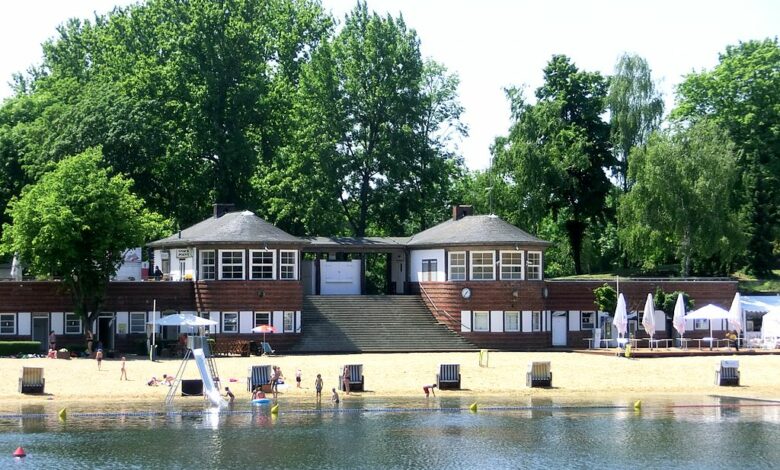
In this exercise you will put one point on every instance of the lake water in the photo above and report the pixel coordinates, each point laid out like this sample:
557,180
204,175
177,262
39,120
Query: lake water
707,432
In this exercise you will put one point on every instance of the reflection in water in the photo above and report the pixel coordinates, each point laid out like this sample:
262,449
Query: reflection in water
401,433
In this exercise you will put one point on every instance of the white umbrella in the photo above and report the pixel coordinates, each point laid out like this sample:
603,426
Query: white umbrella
184,319
708,312
621,316
770,323
648,317
16,269
735,313
678,321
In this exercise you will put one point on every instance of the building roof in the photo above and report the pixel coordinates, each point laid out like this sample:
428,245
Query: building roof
357,243
233,228
474,230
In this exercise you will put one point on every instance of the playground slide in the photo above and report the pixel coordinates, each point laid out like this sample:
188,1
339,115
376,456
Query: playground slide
209,390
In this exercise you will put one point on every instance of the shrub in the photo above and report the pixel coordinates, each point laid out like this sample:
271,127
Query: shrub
12,348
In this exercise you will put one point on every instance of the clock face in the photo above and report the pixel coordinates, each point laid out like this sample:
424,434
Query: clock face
465,293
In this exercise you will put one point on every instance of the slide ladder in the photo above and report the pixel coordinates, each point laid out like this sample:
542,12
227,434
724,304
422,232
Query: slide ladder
208,373
177,379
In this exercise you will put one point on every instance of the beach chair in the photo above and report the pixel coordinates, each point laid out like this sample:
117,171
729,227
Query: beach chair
727,373
32,380
538,375
258,376
355,378
266,350
448,376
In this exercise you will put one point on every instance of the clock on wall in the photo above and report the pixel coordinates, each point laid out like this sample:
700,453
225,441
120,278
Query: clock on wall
465,293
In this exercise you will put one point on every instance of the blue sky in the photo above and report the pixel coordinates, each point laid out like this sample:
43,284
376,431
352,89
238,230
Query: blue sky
492,44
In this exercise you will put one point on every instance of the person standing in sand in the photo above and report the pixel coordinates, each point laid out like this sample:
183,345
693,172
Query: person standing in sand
52,340
318,387
298,378
335,397
99,357
123,375
345,380
89,342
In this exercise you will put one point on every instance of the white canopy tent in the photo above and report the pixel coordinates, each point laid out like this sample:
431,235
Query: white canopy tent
709,312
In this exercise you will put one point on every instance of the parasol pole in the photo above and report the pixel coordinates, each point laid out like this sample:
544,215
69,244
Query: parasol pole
154,328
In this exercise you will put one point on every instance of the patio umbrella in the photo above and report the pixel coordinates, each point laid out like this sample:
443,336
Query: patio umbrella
678,321
16,269
648,317
184,319
735,314
264,329
621,316
708,312
770,323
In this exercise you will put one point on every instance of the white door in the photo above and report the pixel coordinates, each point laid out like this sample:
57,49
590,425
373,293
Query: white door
559,330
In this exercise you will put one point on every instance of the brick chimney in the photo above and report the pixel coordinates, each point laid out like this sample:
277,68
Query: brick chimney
222,209
459,211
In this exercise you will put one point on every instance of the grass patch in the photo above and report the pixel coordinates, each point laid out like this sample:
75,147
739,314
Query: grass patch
750,285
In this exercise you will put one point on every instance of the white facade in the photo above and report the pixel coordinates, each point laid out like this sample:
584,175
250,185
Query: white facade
417,270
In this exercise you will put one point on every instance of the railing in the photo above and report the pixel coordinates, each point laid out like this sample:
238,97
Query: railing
441,310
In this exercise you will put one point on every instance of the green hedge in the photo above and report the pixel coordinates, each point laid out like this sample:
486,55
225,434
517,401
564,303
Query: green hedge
12,348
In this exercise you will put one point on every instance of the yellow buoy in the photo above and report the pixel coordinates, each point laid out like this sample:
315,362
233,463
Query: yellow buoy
275,409
473,407
638,404
63,414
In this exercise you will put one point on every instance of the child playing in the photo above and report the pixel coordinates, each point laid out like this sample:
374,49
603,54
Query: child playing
298,378
123,375
335,397
429,389
99,357
318,387
229,395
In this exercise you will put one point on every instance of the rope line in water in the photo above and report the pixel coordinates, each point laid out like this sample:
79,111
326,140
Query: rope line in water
146,414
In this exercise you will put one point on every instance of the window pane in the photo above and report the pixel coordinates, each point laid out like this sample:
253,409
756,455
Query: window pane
262,318
482,265
287,264
232,264
512,321
289,321
230,323
481,321
457,266
72,324
534,265
536,321
8,324
208,269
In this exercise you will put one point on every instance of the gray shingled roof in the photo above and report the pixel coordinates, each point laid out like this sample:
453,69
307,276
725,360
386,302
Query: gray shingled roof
357,242
474,230
232,228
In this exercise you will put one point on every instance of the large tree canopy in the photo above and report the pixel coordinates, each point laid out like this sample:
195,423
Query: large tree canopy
557,152
371,146
76,223
742,94
681,204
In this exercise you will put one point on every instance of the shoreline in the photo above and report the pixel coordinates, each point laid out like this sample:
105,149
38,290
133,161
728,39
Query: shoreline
576,377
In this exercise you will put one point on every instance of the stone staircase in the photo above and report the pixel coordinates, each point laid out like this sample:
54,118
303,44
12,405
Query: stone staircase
365,323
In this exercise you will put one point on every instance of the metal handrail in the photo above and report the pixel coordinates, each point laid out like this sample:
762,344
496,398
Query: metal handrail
437,309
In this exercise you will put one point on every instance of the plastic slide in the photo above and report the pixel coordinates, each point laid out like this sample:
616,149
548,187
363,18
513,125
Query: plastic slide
209,391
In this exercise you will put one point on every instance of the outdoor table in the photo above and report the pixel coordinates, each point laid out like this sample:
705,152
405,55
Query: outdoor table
590,342
715,341
684,342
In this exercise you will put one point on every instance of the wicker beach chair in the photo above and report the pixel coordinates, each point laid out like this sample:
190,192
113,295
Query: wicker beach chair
31,380
538,375
448,376
258,376
355,378
727,373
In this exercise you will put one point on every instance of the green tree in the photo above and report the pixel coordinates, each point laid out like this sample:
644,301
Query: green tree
75,223
681,205
558,150
742,94
371,149
606,298
635,109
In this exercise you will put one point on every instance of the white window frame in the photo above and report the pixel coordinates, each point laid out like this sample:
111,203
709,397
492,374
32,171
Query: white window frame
513,276
74,317
492,265
130,322
426,273
701,324
451,274
7,317
223,265
225,322
257,316
272,265
483,315
201,265
288,321
294,265
537,266
587,325
536,320
515,314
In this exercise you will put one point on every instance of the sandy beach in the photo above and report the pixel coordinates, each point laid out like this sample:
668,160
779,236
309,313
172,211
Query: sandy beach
575,376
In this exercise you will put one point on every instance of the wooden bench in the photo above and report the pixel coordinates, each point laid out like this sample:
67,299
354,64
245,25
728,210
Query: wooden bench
231,347
448,376
538,375
355,378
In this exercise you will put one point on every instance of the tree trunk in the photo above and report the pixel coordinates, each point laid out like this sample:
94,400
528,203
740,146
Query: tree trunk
576,230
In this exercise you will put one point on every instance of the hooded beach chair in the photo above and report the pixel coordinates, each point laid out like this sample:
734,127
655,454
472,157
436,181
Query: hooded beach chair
32,380
448,376
727,373
538,375
355,378
258,376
